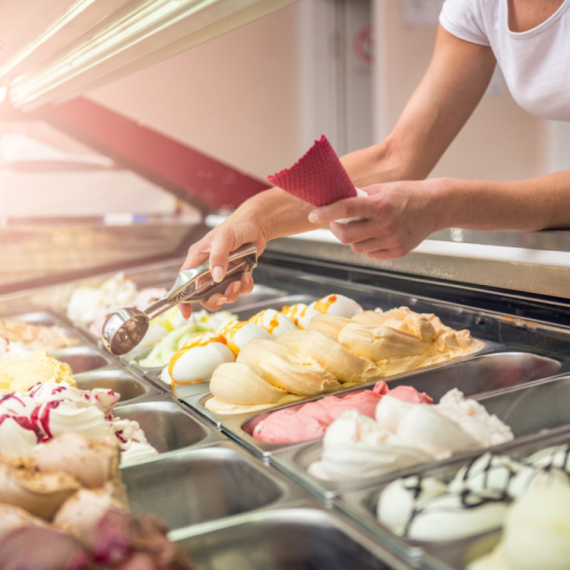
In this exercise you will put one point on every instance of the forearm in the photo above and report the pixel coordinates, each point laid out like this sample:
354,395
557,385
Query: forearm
277,212
525,205
447,95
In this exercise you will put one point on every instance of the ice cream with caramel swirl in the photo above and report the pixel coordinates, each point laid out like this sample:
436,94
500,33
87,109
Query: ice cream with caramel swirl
330,348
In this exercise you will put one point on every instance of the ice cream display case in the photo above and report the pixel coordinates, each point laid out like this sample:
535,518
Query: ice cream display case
218,485
348,413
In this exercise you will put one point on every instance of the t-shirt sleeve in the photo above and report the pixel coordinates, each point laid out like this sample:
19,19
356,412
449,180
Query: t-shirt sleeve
463,19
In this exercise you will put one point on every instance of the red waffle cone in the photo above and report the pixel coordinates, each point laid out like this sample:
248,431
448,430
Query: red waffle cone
318,177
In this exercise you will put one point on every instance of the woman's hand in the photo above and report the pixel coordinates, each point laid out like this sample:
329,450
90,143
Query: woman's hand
397,216
267,215
216,246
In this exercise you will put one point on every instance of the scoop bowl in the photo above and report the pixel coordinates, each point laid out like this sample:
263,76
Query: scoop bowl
124,330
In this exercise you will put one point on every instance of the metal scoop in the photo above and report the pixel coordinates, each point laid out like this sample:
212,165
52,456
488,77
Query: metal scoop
124,329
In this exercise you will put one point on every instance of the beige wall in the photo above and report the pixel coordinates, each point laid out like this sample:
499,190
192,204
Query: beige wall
237,98
234,97
500,140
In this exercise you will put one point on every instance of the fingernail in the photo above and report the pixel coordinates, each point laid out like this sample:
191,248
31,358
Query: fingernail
218,273
221,301
236,287
313,217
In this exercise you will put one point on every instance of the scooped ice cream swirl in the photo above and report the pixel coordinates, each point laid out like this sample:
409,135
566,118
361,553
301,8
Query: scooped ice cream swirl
346,342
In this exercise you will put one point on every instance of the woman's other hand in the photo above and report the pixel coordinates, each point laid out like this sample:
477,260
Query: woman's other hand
397,216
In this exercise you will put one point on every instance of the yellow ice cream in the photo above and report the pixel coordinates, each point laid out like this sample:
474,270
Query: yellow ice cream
19,375
400,340
331,351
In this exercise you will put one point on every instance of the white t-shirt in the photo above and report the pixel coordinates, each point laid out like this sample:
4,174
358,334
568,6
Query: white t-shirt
535,63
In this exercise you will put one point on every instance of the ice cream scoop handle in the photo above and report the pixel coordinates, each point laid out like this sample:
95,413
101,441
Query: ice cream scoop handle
197,284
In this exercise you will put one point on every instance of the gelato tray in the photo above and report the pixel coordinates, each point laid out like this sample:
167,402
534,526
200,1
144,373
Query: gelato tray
168,425
130,388
529,411
449,516
234,499
288,539
195,486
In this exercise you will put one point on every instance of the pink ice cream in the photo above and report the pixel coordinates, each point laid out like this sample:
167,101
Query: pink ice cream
302,423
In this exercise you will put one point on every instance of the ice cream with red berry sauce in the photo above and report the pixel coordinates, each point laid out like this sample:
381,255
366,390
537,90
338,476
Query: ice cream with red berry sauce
31,418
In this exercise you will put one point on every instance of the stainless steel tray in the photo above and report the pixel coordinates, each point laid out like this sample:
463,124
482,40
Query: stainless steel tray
194,486
130,388
531,411
474,376
361,507
83,359
302,537
168,425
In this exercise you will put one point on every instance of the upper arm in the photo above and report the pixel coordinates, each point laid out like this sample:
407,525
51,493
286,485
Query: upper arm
449,92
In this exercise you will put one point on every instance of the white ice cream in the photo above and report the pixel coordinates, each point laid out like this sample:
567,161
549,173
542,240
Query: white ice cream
337,305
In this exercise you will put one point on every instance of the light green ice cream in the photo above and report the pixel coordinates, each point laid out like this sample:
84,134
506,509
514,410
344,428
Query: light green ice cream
166,348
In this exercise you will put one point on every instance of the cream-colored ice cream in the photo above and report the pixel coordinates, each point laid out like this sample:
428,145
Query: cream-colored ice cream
267,373
41,494
344,364
328,324
285,368
331,349
13,518
82,511
400,340
36,337
244,385
381,342
536,534
92,463
20,375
